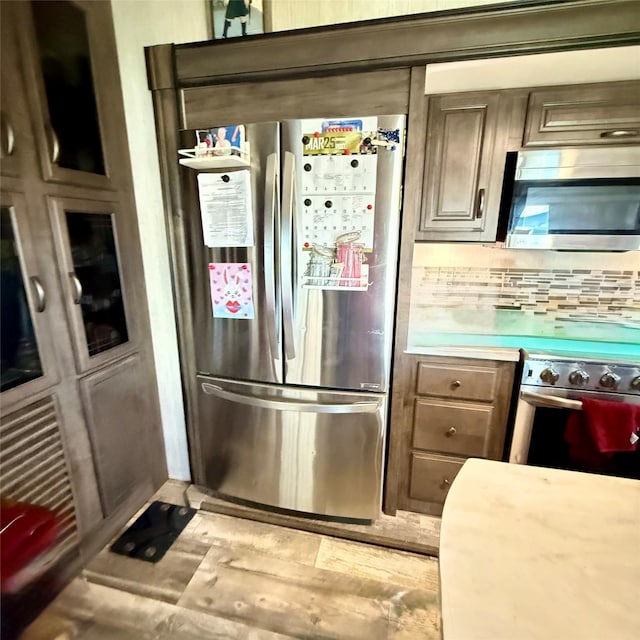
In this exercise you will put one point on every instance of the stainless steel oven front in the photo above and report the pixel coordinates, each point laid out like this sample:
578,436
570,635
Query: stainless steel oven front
553,387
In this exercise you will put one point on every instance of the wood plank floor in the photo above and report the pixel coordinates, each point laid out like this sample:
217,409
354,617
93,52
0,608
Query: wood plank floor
233,578
407,530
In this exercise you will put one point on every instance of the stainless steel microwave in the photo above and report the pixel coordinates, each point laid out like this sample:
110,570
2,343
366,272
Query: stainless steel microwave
576,199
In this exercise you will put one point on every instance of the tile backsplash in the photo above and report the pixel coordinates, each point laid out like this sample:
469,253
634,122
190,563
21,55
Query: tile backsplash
564,293
478,290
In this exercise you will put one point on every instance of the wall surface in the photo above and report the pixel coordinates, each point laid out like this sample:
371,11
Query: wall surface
299,14
563,67
140,23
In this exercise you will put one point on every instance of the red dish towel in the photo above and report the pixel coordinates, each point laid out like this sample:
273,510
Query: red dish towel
600,429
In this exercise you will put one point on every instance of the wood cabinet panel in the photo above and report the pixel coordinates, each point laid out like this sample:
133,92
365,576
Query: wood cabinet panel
451,381
459,148
465,154
116,406
440,428
598,114
379,92
431,477
451,427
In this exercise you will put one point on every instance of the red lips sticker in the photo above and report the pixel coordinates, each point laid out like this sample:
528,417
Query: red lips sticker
233,306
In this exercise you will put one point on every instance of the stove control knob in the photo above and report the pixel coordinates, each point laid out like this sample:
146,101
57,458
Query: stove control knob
578,377
610,380
549,375
634,385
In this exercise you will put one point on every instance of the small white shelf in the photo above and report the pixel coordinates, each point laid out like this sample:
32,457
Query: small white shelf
204,158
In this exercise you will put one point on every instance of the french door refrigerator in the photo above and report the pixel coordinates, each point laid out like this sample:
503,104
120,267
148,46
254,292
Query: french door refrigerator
293,313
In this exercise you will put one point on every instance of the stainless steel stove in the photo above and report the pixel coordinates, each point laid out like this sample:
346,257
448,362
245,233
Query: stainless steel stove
581,375
553,386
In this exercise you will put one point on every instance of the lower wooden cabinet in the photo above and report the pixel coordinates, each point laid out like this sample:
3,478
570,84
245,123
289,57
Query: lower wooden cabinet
452,427
449,409
431,477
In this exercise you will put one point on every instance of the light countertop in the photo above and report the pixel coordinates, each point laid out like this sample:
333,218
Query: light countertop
462,351
538,554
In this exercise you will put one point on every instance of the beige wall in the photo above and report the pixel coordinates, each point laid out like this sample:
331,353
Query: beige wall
564,67
298,14
139,23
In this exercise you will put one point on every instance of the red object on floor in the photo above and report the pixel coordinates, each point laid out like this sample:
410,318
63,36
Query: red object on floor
600,429
27,532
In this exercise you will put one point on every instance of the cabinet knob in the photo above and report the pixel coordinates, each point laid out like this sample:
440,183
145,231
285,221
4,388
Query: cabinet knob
451,431
445,483
456,383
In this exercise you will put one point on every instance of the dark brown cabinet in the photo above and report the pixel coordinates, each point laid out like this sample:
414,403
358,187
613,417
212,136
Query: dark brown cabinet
595,114
451,409
467,138
80,425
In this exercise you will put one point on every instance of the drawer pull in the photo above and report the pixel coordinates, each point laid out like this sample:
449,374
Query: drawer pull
451,431
620,133
456,383
445,483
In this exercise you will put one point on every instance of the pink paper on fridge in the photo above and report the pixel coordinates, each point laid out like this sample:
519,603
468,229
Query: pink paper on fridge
231,290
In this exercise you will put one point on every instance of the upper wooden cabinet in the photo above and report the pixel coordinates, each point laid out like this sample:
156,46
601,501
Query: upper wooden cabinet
468,136
71,84
585,114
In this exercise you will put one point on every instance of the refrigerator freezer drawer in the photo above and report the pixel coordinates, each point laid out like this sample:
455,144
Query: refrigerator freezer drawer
318,452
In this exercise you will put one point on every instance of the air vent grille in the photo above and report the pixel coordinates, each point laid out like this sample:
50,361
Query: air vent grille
33,467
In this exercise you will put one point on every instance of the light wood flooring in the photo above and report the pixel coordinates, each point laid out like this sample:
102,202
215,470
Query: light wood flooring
234,578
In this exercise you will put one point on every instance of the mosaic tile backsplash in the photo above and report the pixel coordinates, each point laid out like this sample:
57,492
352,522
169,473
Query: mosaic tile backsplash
601,305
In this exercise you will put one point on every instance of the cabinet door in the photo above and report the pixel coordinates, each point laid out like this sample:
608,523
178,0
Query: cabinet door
117,406
28,362
592,114
458,155
15,128
68,80
93,266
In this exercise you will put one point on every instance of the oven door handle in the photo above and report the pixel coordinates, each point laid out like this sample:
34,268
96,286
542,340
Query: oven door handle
554,402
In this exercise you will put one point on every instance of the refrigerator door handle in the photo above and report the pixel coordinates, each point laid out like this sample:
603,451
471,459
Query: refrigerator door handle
287,252
289,405
270,204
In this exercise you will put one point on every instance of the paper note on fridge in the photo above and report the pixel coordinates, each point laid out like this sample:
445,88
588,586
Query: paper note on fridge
231,290
225,208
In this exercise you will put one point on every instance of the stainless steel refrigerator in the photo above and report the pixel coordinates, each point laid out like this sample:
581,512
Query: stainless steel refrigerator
293,380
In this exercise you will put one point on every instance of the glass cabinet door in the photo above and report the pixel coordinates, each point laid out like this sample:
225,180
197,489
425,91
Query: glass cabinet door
65,62
25,349
64,90
88,249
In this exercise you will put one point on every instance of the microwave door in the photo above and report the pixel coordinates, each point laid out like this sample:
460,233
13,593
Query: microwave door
571,214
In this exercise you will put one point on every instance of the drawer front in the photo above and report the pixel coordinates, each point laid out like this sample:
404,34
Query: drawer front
468,383
596,114
452,427
431,477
